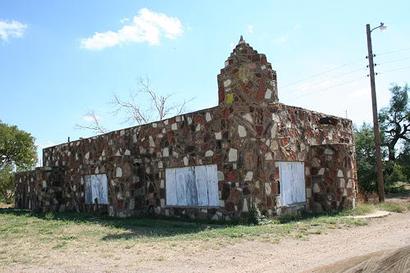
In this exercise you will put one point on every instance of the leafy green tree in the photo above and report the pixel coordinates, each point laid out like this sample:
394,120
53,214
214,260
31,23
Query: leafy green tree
365,158
395,120
17,152
404,159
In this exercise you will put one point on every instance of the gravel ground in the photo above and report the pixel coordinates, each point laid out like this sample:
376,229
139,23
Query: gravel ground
289,255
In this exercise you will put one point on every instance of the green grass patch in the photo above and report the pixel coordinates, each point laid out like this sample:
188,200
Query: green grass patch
394,207
360,209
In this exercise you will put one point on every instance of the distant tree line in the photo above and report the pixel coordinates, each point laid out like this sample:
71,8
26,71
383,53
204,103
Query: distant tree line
395,134
17,153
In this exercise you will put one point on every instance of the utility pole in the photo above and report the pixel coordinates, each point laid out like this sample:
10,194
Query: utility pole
376,130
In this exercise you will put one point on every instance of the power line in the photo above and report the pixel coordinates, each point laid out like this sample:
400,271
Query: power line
393,51
327,88
396,69
394,61
319,74
318,82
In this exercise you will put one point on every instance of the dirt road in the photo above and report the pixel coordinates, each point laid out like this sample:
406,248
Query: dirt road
294,255
289,255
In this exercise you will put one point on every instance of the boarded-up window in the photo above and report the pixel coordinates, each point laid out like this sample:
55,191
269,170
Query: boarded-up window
292,183
96,189
192,186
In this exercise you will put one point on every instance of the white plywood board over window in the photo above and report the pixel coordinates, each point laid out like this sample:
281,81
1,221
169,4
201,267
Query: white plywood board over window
192,186
292,183
96,189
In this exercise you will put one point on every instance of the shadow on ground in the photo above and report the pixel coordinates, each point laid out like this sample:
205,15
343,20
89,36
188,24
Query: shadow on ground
128,227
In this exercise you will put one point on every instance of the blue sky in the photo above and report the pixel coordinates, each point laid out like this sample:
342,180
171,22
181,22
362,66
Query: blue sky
61,59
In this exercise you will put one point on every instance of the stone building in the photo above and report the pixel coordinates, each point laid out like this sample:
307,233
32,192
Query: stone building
250,151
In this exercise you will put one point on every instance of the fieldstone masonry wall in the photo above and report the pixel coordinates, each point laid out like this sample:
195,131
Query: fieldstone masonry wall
244,136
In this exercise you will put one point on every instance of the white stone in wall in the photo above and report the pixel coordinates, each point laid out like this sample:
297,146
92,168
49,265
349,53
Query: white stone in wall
97,170
189,120
275,118
178,118
208,116
245,205
118,172
44,184
134,138
186,161
349,183
232,155
241,131
160,165
345,193
226,63
340,173
166,122
316,188
162,202
274,146
142,150
341,183
221,176
221,203
198,128
127,152
274,130
175,154
165,152
234,166
87,156
174,126
154,125
328,151
268,189
218,135
308,192
249,176
257,184
268,156
321,171
131,205
162,185
151,141
209,153
122,132
148,170
227,83
263,67
307,171
268,94
248,117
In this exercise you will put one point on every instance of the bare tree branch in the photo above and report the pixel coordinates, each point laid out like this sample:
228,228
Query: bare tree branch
93,124
142,106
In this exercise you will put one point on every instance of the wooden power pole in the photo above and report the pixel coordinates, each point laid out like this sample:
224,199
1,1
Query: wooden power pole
376,130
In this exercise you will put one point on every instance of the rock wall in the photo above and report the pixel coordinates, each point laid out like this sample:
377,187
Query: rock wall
334,179
244,142
41,190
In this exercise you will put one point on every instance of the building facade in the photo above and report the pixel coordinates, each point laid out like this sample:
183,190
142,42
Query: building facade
250,151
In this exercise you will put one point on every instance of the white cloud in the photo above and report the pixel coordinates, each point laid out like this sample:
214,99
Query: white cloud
249,29
146,27
11,29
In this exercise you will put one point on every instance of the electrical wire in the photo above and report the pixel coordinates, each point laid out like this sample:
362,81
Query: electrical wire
319,74
393,51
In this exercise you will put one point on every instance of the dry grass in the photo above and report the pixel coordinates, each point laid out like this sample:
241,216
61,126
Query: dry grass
27,238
